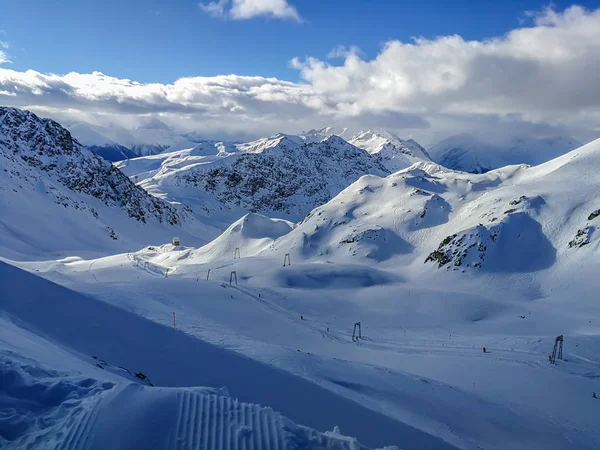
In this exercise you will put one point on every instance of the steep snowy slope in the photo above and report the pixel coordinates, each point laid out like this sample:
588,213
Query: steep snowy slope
281,176
55,194
470,154
394,153
543,220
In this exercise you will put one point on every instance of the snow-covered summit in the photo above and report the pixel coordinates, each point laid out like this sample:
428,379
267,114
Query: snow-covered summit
317,135
394,153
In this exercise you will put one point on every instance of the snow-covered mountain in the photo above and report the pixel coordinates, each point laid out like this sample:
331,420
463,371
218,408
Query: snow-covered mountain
394,153
283,176
154,137
57,194
471,154
518,219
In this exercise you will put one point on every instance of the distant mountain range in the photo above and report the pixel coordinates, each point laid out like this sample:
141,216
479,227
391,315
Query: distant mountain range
283,176
462,152
117,143
471,154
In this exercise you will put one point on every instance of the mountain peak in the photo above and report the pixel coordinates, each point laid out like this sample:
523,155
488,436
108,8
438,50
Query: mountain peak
394,153
317,135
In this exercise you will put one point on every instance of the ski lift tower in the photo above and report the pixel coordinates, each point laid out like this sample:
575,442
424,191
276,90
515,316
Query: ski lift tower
557,351
356,337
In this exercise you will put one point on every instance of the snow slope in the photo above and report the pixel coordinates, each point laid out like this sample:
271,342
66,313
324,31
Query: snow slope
419,362
471,154
252,232
85,402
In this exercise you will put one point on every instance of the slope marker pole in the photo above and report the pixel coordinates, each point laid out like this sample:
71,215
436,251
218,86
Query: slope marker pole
356,337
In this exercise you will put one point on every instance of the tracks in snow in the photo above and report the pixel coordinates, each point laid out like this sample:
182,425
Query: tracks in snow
222,423
147,266
82,422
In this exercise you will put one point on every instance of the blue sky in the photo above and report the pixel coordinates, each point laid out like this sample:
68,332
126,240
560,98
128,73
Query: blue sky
160,40
250,68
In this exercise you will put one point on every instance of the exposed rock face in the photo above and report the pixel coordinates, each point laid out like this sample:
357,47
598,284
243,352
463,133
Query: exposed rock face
466,249
582,237
35,147
285,176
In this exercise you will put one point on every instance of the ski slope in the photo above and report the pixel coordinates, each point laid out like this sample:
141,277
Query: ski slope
74,326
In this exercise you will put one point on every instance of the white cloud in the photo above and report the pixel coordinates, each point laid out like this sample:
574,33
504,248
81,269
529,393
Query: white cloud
248,9
215,9
539,71
280,9
341,51
3,46
541,79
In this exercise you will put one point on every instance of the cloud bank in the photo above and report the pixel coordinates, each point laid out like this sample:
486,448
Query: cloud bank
541,78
